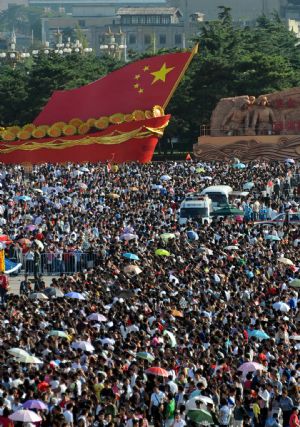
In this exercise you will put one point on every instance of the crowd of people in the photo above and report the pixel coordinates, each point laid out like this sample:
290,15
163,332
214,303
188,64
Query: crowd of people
154,324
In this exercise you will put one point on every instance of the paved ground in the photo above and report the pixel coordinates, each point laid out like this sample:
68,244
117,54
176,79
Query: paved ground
14,282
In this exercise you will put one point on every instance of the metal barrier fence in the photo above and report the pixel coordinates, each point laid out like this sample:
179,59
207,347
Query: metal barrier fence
51,264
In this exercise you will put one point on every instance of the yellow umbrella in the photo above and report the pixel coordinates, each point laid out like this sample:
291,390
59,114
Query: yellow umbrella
167,236
134,189
114,195
177,313
285,261
162,252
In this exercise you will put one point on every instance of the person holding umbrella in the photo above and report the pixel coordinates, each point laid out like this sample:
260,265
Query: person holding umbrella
155,409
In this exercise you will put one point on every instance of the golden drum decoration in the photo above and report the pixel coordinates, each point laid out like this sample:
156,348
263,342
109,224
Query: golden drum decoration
39,132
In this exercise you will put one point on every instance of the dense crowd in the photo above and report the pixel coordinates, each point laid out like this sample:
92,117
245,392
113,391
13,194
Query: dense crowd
205,333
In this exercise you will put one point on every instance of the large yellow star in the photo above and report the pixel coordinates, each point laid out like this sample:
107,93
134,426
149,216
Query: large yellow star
161,74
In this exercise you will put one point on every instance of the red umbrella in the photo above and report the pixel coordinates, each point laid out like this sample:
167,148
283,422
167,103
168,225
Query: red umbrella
5,239
159,372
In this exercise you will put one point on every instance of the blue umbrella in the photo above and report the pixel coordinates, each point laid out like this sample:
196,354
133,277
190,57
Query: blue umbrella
271,237
23,198
248,185
239,166
129,255
11,266
261,335
192,235
75,295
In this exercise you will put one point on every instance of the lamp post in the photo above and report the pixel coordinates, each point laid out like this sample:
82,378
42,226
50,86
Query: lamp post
114,45
12,56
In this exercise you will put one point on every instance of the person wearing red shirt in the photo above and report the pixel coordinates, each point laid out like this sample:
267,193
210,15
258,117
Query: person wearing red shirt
294,419
4,286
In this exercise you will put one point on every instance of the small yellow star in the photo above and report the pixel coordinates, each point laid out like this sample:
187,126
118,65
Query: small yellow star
136,86
161,74
146,68
137,76
141,90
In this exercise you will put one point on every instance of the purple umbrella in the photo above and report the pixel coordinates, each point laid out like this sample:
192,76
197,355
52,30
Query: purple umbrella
35,404
30,227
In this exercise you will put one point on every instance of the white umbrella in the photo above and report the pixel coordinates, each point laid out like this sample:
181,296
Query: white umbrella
84,346
295,337
25,416
17,352
165,178
232,248
38,295
29,359
128,236
171,337
97,317
286,261
281,306
192,403
39,244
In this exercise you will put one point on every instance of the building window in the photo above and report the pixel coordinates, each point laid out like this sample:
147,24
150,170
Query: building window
178,39
132,39
126,20
142,20
81,23
165,20
135,19
147,39
162,39
61,10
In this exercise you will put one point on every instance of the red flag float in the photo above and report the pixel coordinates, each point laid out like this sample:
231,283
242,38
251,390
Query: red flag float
117,118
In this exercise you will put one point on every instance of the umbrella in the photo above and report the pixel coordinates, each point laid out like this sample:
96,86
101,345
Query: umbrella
38,295
295,283
29,359
281,306
292,161
167,236
35,404
84,169
129,255
75,295
239,166
157,371
39,244
145,355
97,317
38,190
83,345
53,292
251,367
261,335
162,252
177,313
11,267
232,248
30,227
23,198
286,261
114,196
200,416
192,403
133,269
295,337
128,236
200,170
273,238
61,334
228,211
25,416
248,185
192,235
165,178
17,352
24,241
171,337
4,238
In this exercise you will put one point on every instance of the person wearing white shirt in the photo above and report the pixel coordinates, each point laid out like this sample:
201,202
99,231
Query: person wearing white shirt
68,415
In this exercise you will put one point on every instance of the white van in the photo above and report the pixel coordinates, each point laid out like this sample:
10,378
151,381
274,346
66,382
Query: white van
195,207
219,195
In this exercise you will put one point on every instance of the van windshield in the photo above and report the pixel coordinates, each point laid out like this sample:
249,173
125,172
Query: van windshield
193,212
218,198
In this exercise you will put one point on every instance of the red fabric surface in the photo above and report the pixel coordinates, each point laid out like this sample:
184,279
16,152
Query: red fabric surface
130,88
140,150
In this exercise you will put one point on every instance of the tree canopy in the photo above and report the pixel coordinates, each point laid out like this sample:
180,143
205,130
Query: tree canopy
232,60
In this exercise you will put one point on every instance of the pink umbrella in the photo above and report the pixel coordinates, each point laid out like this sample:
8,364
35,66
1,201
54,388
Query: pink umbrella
25,416
30,227
251,367
239,218
157,371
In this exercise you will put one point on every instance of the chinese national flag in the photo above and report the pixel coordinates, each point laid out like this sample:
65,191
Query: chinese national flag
137,86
